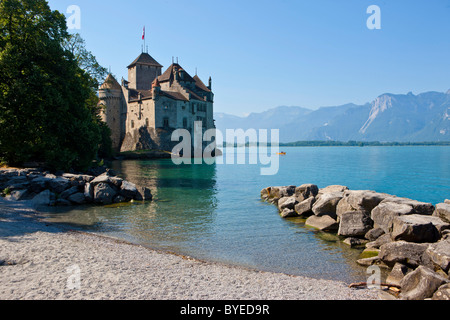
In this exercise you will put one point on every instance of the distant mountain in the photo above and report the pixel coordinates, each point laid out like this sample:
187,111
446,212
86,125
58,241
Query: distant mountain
390,117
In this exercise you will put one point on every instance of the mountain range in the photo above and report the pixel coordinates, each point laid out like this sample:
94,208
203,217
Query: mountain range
390,117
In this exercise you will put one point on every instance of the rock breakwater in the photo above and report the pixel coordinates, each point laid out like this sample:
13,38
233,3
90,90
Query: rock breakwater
411,239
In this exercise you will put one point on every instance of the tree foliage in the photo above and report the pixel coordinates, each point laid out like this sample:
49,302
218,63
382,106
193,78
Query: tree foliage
48,103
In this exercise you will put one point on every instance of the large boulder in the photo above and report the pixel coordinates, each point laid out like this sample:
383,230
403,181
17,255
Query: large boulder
77,198
286,203
381,240
419,207
66,194
306,191
45,198
143,194
421,284
276,193
128,189
323,223
443,211
304,208
407,253
359,200
58,184
439,255
105,178
78,179
417,228
331,189
383,215
326,204
89,192
354,224
104,193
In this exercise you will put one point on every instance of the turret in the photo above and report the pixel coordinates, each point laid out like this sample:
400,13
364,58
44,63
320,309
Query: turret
110,95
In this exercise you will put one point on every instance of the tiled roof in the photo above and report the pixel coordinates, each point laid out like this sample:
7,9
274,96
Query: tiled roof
200,84
146,59
110,83
168,74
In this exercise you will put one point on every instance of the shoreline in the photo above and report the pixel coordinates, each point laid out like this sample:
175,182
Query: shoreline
39,260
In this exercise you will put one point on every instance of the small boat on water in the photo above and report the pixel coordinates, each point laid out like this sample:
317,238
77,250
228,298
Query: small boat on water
281,153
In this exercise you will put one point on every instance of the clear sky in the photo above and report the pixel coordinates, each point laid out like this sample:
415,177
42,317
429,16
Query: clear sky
263,54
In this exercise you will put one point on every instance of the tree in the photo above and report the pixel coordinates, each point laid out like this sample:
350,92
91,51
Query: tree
48,103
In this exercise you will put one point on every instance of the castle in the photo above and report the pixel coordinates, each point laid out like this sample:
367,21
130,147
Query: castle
143,112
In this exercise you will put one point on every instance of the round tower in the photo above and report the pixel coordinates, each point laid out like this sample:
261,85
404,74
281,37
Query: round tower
110,95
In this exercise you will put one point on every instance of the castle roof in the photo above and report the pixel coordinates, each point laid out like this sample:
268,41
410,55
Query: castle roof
110,83
199,83
145,59
168,74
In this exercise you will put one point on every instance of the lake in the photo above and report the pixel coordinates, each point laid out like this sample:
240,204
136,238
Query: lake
214,212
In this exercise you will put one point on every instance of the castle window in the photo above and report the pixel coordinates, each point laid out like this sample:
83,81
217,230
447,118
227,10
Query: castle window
147,123
132,123
185,123
166,107
166,122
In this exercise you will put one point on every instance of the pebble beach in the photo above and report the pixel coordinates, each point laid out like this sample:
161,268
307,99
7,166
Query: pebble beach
43,261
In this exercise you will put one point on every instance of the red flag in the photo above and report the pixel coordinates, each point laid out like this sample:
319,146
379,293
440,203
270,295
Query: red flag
143,34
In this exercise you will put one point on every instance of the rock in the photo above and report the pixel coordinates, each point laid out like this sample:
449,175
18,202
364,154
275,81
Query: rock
366,262
119,198
354,224
78,179
383,239
39,184
332,189
383,215
18,195
288,213
443,293
286,203
323,223
276,193
104,193
58,184
439,254
265,194
77,198
304,208
105,178
306,191
44,198
128,189
374,234
416,228
69,192
63,202
326,204
407,253
421,284
359,200
354,242
89,192
443,211
397,274
418,207
447,201
143,194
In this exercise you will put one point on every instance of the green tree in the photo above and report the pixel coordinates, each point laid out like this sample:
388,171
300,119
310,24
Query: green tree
48,103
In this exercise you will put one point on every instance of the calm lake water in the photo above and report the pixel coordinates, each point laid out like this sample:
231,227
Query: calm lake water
214,212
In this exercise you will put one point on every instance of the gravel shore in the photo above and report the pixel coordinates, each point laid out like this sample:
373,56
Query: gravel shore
41,261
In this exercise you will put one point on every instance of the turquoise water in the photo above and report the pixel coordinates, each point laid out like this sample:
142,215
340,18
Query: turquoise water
214,212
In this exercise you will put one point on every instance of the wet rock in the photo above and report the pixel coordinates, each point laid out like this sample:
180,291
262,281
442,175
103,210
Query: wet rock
128,190
354,242
288,213
323,223
143,194
104,193
77,198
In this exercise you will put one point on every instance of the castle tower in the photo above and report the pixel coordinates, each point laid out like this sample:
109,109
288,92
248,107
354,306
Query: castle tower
142,72
110,95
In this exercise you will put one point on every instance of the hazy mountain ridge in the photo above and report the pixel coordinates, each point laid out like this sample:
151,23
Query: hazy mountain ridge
390,117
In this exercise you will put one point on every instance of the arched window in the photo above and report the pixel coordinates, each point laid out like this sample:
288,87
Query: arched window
147,123
132,123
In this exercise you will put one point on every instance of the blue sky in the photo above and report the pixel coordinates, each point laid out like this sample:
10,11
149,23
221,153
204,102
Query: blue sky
263,54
